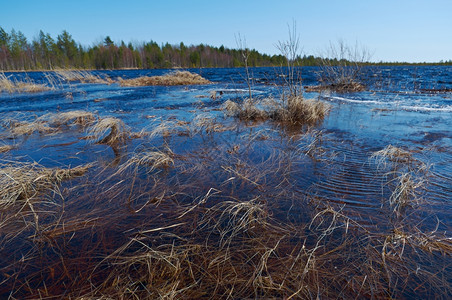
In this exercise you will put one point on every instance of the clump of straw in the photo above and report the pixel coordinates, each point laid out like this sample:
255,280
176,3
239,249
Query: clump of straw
15,86
109,131
81,76
175,78
75,117
23,182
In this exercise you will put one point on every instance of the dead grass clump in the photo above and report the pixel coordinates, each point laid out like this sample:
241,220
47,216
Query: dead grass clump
24,182
81,76
27,128
348,86
247,111
151,159
109,131
76,117
15,86
175,78
298,110
394,154
6,148
292,110
405,192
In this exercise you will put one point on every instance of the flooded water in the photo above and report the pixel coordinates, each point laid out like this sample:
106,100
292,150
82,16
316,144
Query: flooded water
326,182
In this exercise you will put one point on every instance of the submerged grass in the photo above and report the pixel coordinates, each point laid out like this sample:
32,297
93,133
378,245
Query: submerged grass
175,78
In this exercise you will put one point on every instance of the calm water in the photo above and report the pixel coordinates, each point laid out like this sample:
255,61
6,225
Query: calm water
407,107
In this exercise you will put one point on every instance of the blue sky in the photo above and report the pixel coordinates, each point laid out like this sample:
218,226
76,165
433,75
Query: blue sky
393,30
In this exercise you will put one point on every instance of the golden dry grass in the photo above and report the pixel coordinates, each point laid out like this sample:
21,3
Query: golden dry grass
152,160
294,110
345,87
27,128
109,131
81,76
75,117
15,86
22,183
6,148
175,78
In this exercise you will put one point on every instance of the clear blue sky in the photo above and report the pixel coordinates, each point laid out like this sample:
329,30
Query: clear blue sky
394,30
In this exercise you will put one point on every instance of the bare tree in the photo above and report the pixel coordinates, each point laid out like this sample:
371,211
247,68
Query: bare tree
291,50
245,53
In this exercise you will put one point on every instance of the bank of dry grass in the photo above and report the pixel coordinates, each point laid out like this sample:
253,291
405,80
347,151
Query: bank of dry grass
16,86
22,183
174,78
81,76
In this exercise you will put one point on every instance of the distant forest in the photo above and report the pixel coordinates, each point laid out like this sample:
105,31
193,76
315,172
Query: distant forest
45,53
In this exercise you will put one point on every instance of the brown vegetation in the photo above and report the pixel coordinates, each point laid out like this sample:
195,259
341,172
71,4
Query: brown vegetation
294,110
109,131
6,148
81,76
74,117
175,78
15,86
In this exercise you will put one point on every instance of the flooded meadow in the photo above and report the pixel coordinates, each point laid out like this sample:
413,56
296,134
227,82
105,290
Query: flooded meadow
113,189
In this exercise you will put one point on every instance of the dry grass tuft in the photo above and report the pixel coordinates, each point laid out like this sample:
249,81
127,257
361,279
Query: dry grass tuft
22,183
27,128
405,192
15,86
394,154
75,117
109,131
247,111
341,87
175,78
408,176
6,148
293,110
152,160
298,110
81,76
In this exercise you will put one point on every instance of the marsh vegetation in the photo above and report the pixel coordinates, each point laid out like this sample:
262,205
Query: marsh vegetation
149,192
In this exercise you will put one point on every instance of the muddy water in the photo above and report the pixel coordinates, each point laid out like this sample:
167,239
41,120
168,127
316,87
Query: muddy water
299,174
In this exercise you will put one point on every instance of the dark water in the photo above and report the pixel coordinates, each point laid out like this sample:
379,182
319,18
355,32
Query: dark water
407,107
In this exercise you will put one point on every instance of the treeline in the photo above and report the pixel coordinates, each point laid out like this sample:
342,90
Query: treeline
45,53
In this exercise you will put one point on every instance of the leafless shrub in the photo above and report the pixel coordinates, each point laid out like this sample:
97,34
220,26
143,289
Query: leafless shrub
341,68
290,49
175,78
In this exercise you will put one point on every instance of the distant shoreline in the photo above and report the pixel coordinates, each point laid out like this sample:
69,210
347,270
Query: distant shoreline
178,68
